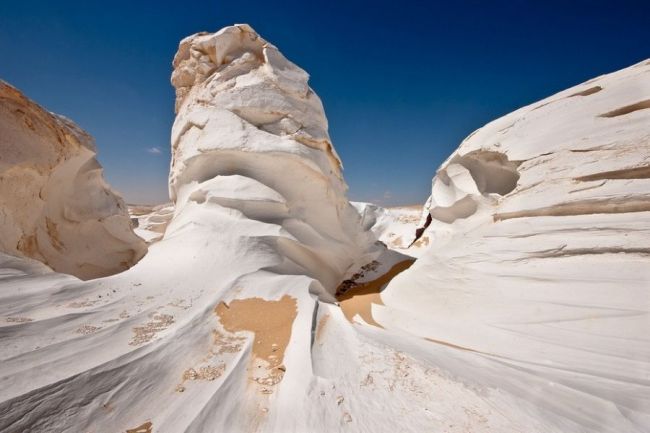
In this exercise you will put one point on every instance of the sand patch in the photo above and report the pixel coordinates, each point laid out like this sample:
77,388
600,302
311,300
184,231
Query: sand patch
320,328
396,242
210,372
358,299
87,329
82,304
422,242
227,343
271,322
143,428
19,319
144,334
408,219
352,281
179,303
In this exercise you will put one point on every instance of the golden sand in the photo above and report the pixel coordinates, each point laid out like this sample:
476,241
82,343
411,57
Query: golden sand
144,428
146,333
422,242
320,328
358,299
271,321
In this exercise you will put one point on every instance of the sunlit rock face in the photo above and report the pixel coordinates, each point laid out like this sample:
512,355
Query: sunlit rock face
251,136
150,222
539,265
213,329
55,206
235,320
397,227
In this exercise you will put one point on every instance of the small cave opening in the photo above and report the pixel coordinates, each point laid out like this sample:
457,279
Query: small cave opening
492,171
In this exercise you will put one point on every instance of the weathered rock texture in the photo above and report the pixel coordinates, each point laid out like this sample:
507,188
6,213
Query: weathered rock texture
251,137
214,327
151,221
54,203
539,266
528,312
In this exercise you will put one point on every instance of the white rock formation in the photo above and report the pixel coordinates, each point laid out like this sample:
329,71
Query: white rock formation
261,228
251,137
54,203
538,277
228,323
397,227
151,221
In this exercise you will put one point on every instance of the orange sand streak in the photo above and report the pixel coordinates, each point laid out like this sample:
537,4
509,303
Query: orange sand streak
271,321
144,428
359,299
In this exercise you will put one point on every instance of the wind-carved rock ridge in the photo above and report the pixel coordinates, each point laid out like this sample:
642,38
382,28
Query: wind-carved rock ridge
534,324
262,226
238,71
547,270
248,119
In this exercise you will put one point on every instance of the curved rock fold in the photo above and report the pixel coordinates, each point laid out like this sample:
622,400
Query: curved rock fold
527,311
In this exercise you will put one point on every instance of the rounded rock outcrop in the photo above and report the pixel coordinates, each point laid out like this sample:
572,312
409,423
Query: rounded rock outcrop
55,205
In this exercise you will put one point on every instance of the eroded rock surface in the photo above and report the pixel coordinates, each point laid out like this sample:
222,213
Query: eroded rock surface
261,227
539,266
251,136
55,206
534,322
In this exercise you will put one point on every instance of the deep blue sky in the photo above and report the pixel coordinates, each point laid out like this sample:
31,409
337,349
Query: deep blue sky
403,82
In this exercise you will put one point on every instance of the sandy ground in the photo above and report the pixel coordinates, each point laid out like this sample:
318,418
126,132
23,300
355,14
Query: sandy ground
271,322
359,298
